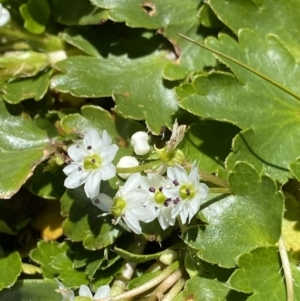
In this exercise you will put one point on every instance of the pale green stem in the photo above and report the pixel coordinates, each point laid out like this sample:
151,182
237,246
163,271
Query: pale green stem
286,270
174,290
121,281
247,67
212,179
139,168
146,286
219,190
164,286
156,266
20,35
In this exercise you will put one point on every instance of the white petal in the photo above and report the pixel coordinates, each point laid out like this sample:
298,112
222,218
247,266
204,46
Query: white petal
106,139
203,191
163,223
183,216
108,153
180,174
136,197
193,176
142,214
91,138
171,173
76,152
152,180
133,182
103,202
171,192
85,291
92,185
194,207
108,171
102,292
70,169
132,223
76,179
167,215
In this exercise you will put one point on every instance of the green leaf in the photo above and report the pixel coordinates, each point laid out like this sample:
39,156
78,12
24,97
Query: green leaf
290,224
23,147
223,97
142,279
33,87
259,273
44,254
82,223
32,289
83,13
149,98
283,20
295,168
11,267
208,18
82,38
47,184
62,262
137,258
248,218
169,17
202,289
208,150
73,278
96,117
36,14
4,228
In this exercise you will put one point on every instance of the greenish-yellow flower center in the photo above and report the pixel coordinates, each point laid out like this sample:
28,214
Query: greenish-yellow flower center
159,197
92,162
118,207
187,191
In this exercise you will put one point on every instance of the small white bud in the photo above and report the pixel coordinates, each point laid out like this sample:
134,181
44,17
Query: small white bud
4,15
127,161
168,257
139,141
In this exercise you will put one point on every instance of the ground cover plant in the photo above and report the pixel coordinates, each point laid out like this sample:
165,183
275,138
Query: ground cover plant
149,150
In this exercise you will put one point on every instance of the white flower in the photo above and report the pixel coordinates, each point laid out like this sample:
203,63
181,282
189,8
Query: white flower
139,141
187,191
127,205
102,292
91,162
127,161
4,15
157,202
67,294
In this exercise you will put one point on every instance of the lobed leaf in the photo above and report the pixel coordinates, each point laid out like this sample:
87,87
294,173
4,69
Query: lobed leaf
237,223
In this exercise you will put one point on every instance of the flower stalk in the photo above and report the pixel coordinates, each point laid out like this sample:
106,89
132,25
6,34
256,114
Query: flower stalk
146,286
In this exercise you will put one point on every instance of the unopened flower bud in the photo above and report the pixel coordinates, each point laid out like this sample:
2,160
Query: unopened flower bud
168,257
139,141
4,15
127,161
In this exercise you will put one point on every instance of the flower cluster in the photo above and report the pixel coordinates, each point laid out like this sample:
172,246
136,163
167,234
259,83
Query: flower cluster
142,198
